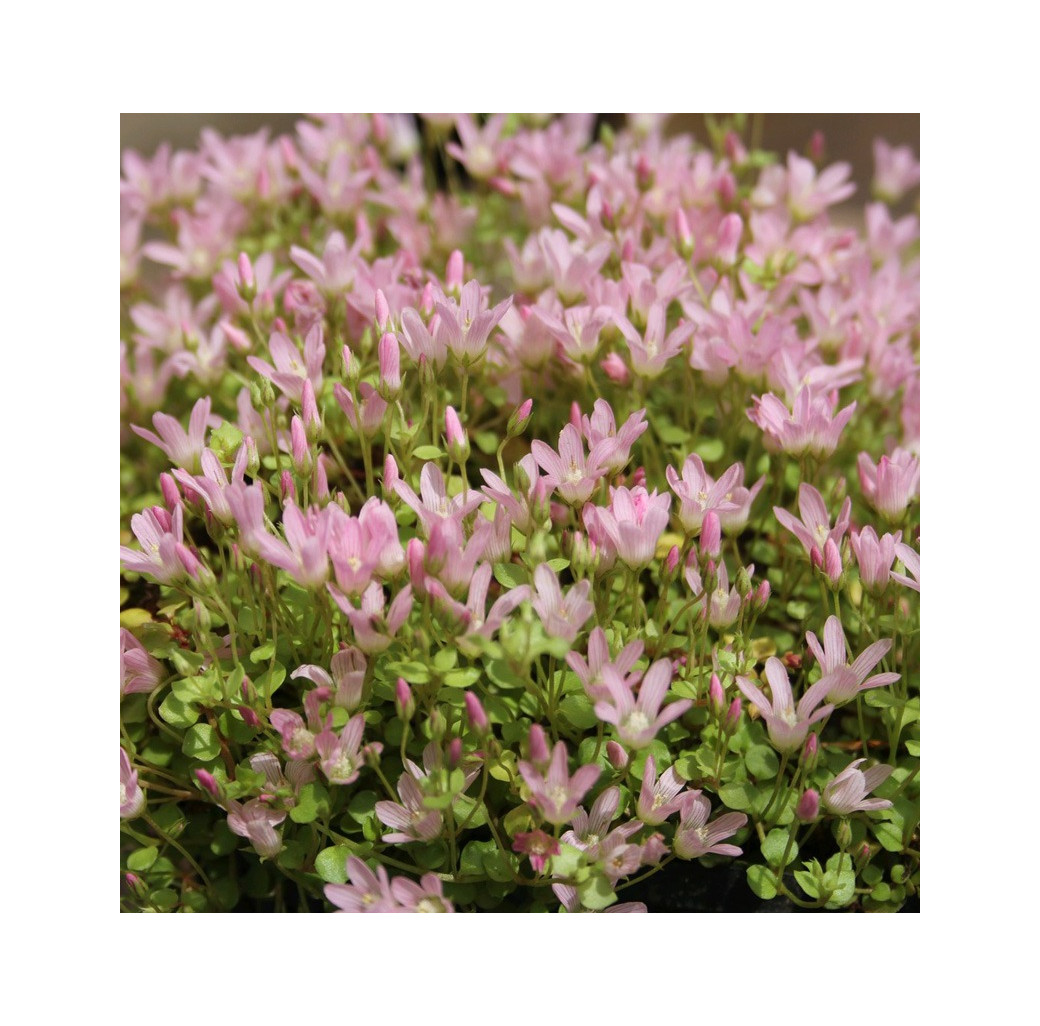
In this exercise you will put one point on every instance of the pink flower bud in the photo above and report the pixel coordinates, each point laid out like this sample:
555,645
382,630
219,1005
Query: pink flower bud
252,455
808,807
716,696
454,752
351,367
245,275
711,536
236,336
816,146
188,559
426,300
458,443
730,230
733,716
309,409
391,475
520,418
477,716
288,487
453,273
382,311
762,596
616,755
170,493
671,562
683,233
389,366
249,718
615,368
206,779
415,556
538,747
639,477
301,452
404,701
321,478
832,562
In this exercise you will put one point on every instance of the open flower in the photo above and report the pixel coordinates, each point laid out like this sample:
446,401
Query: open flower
366,892
183,447
695,836
787,725
847,792
639,720
556,794
562,615
131,797
845,682
814,529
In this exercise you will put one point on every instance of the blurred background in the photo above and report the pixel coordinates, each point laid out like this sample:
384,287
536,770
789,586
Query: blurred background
847,137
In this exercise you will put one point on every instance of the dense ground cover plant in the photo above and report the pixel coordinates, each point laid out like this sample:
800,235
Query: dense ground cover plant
510,514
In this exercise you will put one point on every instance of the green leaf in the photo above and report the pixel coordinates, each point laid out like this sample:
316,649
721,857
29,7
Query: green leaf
177,713
558,565
413,672
427,452
845,889
913,747
164,898
889,835
762,882
566,863
142,859
462,677
471,862
310,804
510,575
486,441
270,681
445,659
331,864
596,893
710,449
262,654
501,673
774,845
578,709
737,796
202,743
762,762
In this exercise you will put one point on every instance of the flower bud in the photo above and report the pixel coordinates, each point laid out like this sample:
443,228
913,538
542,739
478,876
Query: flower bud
743,583
521,480
863,857
538,747
288,487
458,443
391,475
351,366
671,561
475,711
453,273
203,620
808,807
404,701
170,492
321,478
415,557
810,753
732,716
437,724
730,230
309,409
762,596
136,884
252,456
843,834
249,718
382,311
683,234
301,453
454,752
615,368
206,779
716,696
519,419
616,755
389,367
832,563
247,282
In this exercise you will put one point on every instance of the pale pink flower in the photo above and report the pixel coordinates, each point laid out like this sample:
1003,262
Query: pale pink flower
304,553
634,523
562,616
814,529
131,797
342,757
367,419
787,725
366,892
571,267
601,427
184,448
571,473
572,903
556,794
896,171
698,493
874,556
639,719
847,681
590,673
696,837
163,555
588,829
256,821
659,798
724,602
419,343
334,273
425,896
474,615
538,846
435,504
529,508
290,369
482,151
892,485
411,820
138,671
374,625
465,328
650,352
810,426
847,792
213,483
578,330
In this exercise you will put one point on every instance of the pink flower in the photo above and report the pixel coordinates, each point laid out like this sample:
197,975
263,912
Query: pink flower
787,725
847,681
601,427
334,273
659,798
634,523
696,837
425,896
892,485
538,846
651,352
847,792
435,503
698,492
342,757
874,556
411,820
131,797
561,616
465,328
373,628
557,794
896,171
138,671
591,673
163,555
184,448
912,561
814,529
366,892
810,426
256,820
572,474
639,719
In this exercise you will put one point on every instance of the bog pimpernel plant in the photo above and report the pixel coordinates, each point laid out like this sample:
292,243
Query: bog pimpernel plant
513,512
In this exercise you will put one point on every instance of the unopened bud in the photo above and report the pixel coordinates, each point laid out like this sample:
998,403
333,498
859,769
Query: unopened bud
351,366
389,367
453,273
415,557
537,747
188,559
743,583
522,481
458,443
616,755
684,234
671,561
639,477
843,834
454,752
478,719
391,475
519,419
732,716
288,487
321,478
731,228
817,146
267,394
207,780
863,857
762,596
137,885
252,456
810,752
711,536
249,718
247,283
301,453
170,492
203,620
832,563
382,311
309,410
808,807
437,724
236,336
716,696
404,701
615,368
